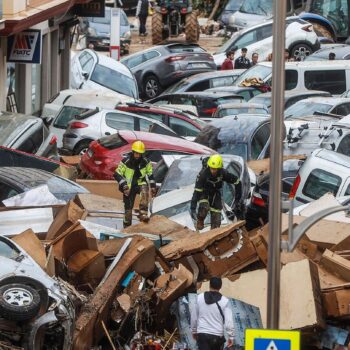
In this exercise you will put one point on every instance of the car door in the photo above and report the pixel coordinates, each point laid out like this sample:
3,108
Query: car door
82,67
183,128
263,43
113,121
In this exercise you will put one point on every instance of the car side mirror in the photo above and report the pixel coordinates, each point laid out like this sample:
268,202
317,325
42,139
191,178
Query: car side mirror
48,120
85,75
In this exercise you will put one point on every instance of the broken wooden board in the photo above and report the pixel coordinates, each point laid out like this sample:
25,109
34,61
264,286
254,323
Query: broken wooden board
160,225
337,303
329,281
300,304
335,264
93,202
325,233
88,329
29,241
65,218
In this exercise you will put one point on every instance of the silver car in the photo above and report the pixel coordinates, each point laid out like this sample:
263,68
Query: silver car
28,134
95,124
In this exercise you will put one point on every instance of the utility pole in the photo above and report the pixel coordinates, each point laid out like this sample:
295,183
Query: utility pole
277,126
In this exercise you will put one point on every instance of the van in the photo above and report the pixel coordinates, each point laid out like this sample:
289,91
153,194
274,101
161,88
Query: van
323,171
253,12
331,76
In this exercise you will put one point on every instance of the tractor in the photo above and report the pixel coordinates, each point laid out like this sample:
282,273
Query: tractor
173,17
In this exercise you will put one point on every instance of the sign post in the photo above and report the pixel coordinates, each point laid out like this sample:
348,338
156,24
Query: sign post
115,34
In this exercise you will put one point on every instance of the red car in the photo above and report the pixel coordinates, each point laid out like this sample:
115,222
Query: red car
185,125
103,155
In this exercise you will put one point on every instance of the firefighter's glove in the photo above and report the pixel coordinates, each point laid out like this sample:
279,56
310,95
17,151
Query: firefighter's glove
194,214
126,190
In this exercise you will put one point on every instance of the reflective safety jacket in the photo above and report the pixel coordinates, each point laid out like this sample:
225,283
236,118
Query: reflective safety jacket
133,172
207,185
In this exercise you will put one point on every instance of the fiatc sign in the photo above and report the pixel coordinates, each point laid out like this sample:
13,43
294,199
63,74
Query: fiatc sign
25,47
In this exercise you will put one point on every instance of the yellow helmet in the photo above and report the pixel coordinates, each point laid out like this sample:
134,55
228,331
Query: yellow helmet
138,147
215,161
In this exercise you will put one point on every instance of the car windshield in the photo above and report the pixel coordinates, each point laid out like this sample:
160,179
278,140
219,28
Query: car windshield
7,251
228,43
237,149
258,71
180,85
232,5
244,110
183,172
257,7
301,109
67,114
114,80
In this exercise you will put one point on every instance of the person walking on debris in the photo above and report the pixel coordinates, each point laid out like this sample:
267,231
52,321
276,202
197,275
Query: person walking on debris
242,62
228,63
142,13
208,191
132,174
209,318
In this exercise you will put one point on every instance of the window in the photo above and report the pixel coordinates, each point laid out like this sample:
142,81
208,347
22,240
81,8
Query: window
344,146
245,94
347,192
257,7
182,100
67,114
222,81
86,62
114,80
123,19
259,140
133,61
291,79
152,115
145,125
228,190
182,128
180,48
112,142
120,121
33,141
200,86
162,101
320,182
7,191
333,81
151,54
264,32
343,109
247,39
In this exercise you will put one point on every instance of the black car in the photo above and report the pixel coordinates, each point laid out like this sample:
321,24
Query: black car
247,92
258,209
246,135
205,102
290,97
157,68
16,180
204,81
342,52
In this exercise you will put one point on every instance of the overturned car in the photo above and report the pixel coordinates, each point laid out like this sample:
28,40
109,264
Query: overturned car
35,309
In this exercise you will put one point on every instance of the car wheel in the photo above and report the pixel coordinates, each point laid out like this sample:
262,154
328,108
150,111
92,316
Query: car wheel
82,148
19,302
151,86
300,51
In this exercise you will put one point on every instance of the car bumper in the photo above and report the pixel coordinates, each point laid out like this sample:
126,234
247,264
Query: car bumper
94,171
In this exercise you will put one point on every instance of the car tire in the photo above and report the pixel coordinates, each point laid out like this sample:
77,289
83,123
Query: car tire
81,148
300,51
151,87
19,302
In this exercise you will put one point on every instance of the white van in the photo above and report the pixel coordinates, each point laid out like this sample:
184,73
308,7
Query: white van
323,171
331,76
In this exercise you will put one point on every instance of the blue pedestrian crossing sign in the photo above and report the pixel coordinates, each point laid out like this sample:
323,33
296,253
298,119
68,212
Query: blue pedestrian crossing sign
262,339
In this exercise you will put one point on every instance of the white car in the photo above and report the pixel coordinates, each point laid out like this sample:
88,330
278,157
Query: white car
93,71
62,109
301,40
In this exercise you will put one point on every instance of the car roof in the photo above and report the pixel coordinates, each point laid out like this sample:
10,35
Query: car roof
332,156
13,124
326,100
312,64
213,74
242,105
173,142
231,88
296,92
238,128
110,63
27,178
204,94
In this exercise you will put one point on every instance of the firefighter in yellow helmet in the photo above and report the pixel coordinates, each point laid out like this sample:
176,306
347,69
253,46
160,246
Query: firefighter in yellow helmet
208,191
134,175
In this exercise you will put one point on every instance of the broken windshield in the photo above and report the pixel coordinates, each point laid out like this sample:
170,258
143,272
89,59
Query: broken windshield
257,7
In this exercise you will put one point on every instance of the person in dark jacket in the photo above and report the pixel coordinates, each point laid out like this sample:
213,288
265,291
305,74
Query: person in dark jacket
210,317
208,192
242,62
142,14
228,63
132,174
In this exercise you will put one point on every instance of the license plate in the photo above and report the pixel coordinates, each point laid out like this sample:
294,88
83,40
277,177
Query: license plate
90,153
197,65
